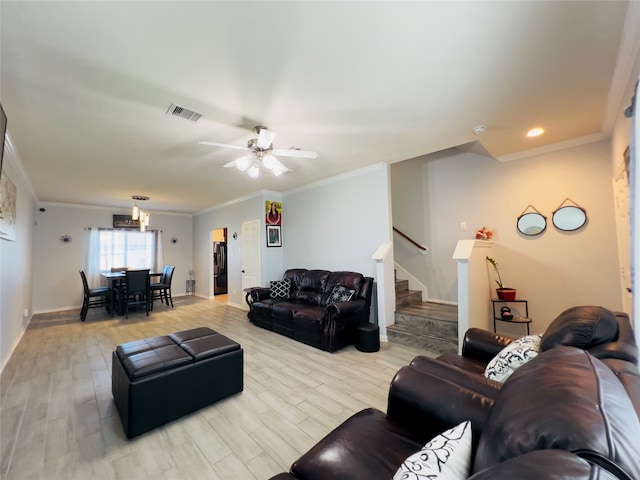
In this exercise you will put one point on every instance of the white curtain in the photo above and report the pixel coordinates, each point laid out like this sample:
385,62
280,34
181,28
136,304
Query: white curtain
159,252
93,262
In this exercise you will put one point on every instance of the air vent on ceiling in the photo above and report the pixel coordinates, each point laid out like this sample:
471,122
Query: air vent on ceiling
178,111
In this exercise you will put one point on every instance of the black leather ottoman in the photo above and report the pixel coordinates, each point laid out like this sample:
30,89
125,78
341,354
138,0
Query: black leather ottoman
368,338
160,379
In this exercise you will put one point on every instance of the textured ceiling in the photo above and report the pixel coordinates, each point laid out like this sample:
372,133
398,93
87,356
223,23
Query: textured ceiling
86,85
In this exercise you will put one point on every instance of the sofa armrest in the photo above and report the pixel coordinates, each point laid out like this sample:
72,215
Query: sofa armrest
259,293
483,345
345,309
617,350
471,380
428,405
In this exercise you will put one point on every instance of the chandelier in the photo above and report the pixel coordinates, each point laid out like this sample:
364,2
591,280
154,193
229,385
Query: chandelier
139,214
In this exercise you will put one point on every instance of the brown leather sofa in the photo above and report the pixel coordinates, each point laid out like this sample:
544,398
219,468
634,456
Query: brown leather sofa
599,331
566,414
309,312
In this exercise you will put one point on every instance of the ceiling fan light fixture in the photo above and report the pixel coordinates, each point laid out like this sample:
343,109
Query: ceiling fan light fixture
262,155
265,137
269,161
254,171
277,167
243,162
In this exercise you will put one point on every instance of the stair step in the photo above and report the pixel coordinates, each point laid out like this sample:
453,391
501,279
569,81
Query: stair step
402,286
430,326
439,311
407,336
408,298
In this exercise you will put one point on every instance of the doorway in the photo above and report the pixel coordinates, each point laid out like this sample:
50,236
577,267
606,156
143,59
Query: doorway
219,264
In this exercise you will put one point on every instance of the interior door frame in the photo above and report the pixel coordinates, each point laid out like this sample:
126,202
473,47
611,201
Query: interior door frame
257,255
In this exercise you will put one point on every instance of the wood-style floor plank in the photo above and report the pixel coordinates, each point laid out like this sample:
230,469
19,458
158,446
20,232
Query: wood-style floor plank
58,419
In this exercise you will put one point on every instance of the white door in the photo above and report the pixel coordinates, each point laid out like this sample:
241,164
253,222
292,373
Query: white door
251,266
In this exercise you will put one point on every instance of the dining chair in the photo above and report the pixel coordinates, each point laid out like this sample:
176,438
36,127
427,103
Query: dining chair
157,288
135,290
162,289
95,297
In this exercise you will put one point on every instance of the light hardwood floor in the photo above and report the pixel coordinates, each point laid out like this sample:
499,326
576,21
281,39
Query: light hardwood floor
58,419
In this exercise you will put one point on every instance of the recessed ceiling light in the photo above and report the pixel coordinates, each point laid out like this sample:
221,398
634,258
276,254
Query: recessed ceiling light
535,132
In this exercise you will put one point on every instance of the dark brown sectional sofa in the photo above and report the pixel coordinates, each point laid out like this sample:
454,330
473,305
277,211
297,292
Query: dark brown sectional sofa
572,412
310,306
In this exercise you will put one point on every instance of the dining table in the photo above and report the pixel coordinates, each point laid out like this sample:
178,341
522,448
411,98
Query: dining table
116,277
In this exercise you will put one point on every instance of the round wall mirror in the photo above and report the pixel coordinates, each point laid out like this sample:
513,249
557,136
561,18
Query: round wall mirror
569,218
532,224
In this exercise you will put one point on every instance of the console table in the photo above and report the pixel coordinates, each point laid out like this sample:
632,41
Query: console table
522,320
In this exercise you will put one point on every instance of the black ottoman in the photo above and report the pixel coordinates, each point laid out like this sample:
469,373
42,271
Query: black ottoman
160,379
368,338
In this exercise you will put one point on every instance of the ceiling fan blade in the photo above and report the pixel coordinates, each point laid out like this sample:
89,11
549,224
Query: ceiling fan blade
224,145
265,138
292,152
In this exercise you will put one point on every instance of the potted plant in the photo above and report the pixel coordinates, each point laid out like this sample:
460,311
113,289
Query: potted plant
504,293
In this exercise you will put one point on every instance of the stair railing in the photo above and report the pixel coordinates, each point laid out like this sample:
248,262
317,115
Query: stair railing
421,248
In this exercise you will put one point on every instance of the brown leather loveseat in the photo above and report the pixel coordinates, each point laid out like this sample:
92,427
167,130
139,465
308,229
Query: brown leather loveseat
316,307
565,414
604,334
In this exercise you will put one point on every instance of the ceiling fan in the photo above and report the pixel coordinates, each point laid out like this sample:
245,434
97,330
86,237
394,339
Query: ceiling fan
262,154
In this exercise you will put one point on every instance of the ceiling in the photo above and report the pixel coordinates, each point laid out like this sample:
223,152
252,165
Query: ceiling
86,87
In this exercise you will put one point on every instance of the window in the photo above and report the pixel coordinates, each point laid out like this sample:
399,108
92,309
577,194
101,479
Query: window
124,248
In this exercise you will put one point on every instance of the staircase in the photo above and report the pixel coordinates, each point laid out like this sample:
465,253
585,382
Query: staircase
425,325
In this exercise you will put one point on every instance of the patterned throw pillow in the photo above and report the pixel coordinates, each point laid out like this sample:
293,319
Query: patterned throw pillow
340,294
513,356
280,288
446,457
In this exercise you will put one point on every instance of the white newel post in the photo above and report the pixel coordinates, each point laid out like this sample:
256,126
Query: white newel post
473,286
462,254
385,287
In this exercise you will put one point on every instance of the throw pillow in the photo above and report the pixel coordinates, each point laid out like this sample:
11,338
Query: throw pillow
340,294
447,456
513,356
280,288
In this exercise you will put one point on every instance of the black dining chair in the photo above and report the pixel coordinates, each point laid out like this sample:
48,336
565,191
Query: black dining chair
95,297
135,290
162,289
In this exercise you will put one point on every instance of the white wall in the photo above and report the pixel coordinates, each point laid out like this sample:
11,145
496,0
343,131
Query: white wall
16,260
338,224
231,216
412,216
57,285
554,270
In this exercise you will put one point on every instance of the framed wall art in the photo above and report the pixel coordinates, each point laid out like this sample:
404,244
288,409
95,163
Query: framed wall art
8,197
273,214
274,236
125,221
